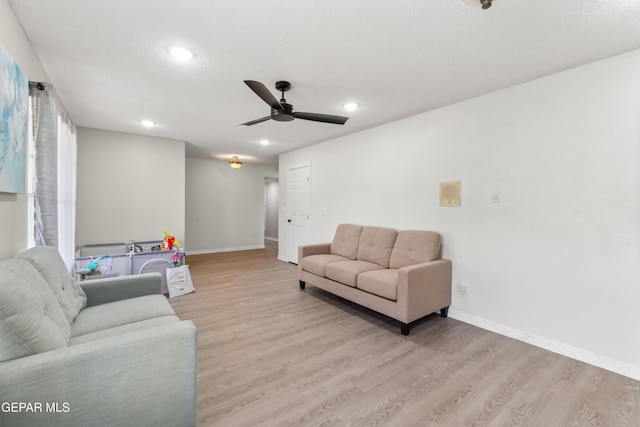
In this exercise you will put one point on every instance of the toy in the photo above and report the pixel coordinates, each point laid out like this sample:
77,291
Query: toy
176,259
169,241
93,267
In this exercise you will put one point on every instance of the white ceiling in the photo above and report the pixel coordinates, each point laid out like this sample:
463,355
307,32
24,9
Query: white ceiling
396,58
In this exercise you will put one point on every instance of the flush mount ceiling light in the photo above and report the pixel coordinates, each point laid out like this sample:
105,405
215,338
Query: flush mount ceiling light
264,141
180,53
147,123
351,106
486,4
235,162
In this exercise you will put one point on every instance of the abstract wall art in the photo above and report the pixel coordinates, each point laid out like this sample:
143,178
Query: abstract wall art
14,116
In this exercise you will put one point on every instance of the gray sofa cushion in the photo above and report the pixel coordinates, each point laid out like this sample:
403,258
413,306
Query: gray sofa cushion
49,263
125,329
346,272
383,283
345,241
415,247
31,319
316,264
376,244
118,313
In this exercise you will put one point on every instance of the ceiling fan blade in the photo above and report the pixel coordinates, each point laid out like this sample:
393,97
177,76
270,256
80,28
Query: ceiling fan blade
256,121
325,118
264,93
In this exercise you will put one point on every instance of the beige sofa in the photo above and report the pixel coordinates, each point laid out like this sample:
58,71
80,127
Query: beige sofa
397,273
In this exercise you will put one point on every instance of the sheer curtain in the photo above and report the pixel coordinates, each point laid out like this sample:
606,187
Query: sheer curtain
54,180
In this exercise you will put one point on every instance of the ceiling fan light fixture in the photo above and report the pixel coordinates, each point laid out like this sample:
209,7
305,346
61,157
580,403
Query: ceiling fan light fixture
282,111
235,162
486,4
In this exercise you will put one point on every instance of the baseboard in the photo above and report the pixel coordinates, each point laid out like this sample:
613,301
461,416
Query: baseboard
273,239
282,258
218,250
551,345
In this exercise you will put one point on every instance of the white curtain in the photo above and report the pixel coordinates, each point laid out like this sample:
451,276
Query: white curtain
54,181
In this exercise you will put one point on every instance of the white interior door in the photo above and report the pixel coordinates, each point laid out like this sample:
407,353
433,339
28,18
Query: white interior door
298,184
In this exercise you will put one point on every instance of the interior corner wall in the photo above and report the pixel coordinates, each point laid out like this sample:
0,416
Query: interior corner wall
130,187
225,207
14,207
271,217
555,262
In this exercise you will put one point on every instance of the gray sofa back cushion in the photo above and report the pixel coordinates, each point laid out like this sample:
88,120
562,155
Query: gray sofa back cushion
415,247
345,241
31,319
49,263
376,244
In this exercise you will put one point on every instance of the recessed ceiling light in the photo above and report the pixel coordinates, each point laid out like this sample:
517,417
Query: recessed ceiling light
264,141
147,123
350,106
180,53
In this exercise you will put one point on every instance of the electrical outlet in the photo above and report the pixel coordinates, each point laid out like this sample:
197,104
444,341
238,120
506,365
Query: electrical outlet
462,289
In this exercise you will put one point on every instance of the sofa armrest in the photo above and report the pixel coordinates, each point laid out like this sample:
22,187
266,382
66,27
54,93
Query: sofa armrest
423,289
307,250
101,291
145,376
316,249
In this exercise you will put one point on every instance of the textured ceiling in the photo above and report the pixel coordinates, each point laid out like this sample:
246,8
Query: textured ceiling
109,62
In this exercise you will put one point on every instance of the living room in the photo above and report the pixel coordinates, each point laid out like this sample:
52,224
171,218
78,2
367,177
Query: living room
545,243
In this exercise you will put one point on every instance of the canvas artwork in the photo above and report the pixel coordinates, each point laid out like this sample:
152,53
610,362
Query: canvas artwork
14,116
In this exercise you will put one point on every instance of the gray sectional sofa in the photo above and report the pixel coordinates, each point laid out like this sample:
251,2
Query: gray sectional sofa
398,273
105,352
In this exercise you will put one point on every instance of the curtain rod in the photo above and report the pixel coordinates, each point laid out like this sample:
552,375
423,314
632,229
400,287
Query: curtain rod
39,85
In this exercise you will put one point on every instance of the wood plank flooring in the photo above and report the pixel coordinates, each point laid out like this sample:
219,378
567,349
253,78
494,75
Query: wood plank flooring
270,354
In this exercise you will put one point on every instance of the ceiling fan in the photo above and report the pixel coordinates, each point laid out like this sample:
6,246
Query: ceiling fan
281,111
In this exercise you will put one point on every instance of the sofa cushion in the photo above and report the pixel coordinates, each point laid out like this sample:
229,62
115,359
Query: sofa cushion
376,244
125,329
346,272
414,247
383,283
316,263
49,263
345,242
118,313
31,319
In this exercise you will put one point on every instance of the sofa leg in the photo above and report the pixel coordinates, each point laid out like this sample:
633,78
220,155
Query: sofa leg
444,312
404,328
302,284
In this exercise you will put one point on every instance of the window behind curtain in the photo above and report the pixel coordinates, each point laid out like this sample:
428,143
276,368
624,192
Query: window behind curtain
67,168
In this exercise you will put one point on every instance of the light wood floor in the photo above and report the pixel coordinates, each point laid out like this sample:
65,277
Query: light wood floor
270,354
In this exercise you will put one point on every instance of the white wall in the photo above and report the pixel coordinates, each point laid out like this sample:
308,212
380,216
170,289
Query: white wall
225,207
556,263
13,208
130,187
272,208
